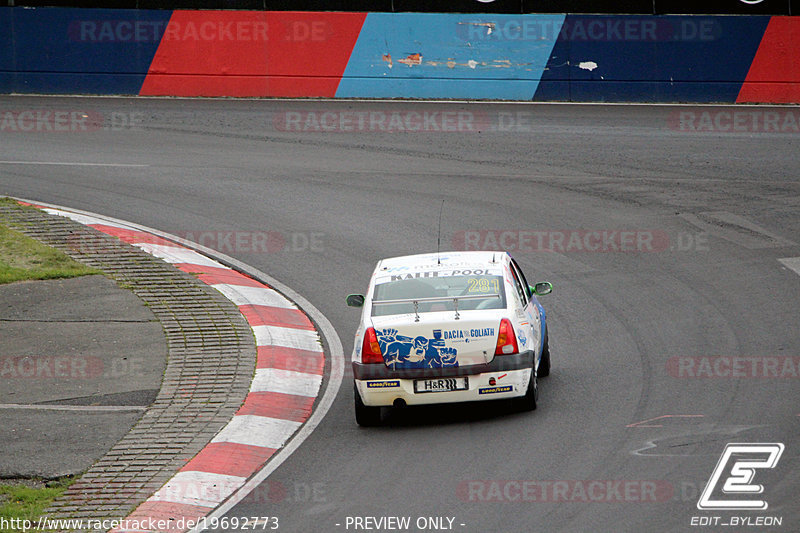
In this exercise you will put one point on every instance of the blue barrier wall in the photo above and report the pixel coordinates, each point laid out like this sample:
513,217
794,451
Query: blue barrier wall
651,59
65,51
416,55
640,58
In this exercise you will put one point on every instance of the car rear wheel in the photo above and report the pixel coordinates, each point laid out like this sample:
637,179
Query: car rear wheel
544,363
528,402
366,415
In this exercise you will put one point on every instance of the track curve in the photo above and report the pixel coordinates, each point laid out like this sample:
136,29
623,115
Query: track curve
721,207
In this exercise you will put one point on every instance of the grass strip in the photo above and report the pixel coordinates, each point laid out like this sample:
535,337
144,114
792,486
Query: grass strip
23,259
21,502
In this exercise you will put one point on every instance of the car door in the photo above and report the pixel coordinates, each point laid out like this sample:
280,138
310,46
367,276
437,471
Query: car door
529,325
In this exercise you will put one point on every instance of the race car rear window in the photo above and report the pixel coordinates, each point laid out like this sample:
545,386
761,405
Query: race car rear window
438,294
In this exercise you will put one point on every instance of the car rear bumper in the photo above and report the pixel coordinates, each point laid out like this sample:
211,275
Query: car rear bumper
511,376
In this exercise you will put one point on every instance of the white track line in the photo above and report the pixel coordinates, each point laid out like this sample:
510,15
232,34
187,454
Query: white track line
299,339
82,219
244,295
197,488
286,382
253,430
68,164
792,263
93,408
176,254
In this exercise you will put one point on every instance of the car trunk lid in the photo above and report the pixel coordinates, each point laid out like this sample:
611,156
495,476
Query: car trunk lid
437,339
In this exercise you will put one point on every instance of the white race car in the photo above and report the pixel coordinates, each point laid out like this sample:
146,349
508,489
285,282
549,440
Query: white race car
445,328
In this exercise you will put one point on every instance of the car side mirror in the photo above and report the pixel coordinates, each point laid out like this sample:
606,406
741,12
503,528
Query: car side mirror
541,288
355,300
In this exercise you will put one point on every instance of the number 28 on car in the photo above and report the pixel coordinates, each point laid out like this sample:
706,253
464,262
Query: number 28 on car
446,328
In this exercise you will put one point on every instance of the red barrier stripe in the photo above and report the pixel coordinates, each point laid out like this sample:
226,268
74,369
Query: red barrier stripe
20,202
277,405
263,315
132,236
229,458
253,53
216,275
230,278
290,359
168,512
774,75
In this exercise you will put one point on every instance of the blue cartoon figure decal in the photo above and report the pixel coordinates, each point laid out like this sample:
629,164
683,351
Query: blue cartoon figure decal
523,340
415,352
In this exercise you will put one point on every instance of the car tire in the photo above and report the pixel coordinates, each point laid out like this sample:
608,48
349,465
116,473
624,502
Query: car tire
528,402
366,416
544,362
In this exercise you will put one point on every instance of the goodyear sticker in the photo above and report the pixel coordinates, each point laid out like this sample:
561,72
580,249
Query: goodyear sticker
495,390
383,384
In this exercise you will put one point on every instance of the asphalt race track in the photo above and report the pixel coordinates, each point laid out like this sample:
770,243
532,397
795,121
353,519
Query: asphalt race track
663,353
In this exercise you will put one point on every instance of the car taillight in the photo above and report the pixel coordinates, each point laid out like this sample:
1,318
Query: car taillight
371,350
506,340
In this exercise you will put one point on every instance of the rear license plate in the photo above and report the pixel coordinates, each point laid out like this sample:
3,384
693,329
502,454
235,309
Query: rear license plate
441,384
